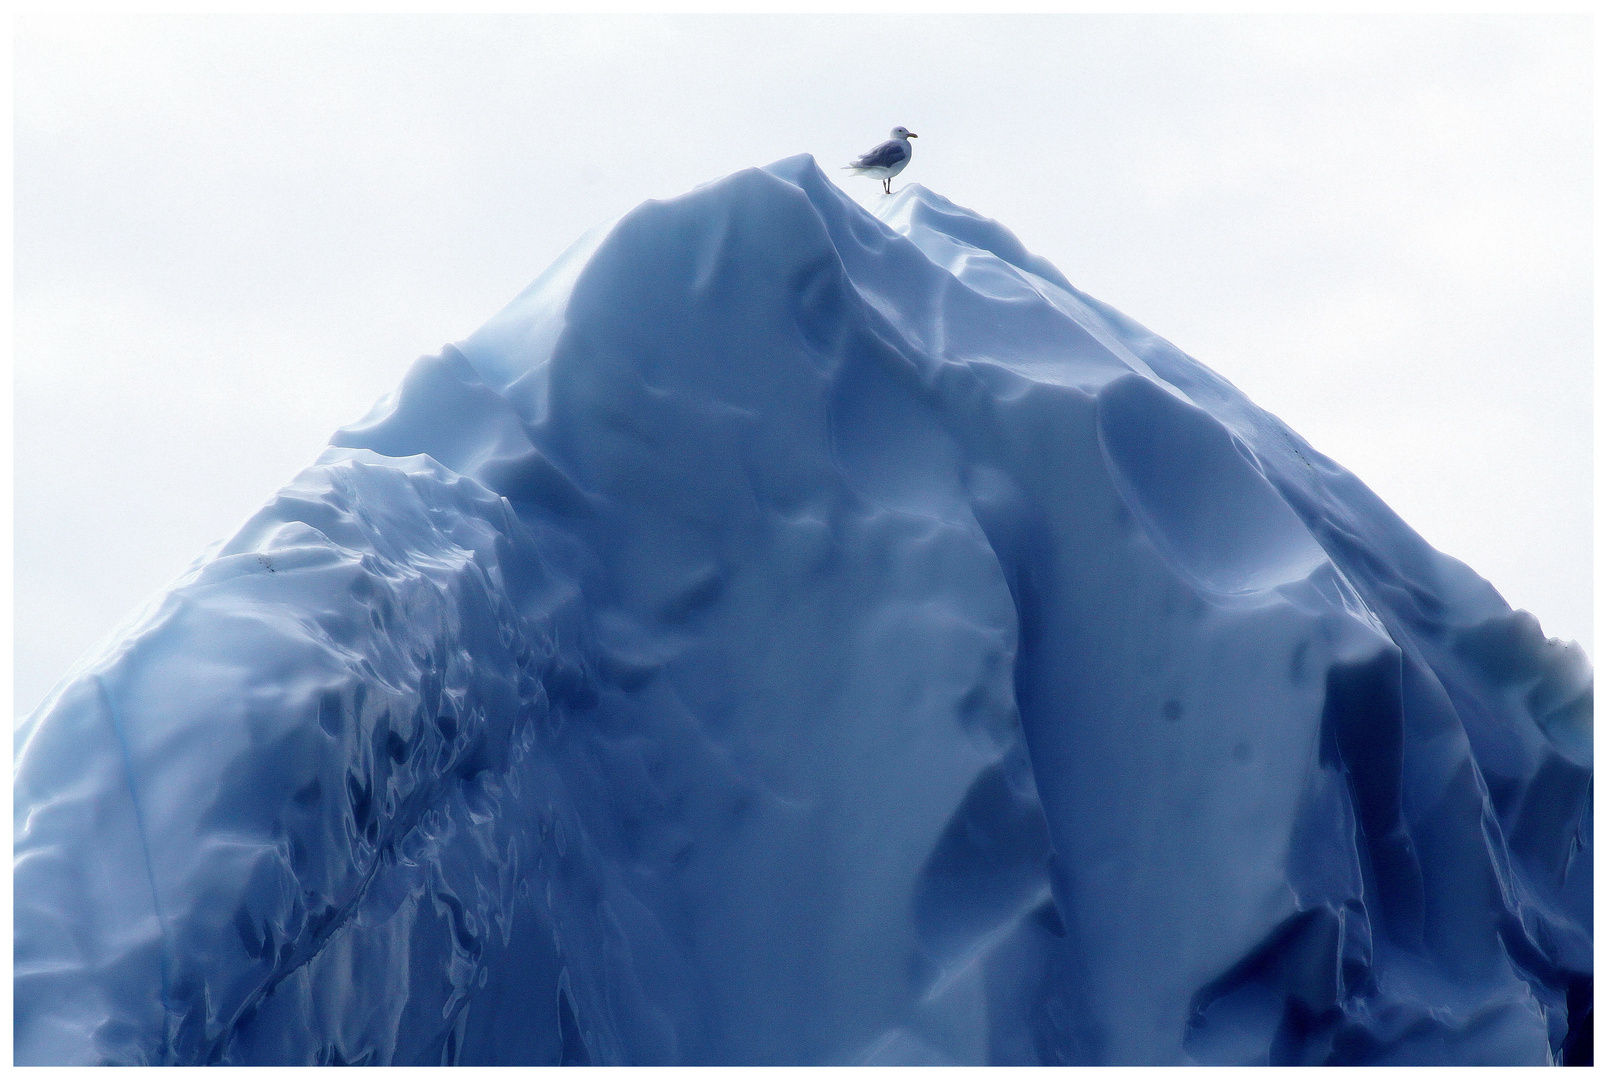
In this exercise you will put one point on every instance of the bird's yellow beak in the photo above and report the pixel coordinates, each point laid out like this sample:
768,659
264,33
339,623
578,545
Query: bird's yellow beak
914,136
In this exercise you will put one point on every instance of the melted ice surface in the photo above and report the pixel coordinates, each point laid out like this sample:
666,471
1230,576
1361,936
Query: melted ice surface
787,635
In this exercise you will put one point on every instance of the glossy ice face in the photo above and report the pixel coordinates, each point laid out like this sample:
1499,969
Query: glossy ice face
787,635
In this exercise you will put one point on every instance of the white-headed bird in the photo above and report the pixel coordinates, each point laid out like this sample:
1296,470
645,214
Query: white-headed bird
887,159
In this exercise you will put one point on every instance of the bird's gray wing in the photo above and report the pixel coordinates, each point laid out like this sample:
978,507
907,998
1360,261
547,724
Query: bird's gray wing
887,154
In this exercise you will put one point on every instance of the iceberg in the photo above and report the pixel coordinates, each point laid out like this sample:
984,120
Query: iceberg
788,634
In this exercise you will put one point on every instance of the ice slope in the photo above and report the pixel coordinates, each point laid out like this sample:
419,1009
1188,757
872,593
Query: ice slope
788,635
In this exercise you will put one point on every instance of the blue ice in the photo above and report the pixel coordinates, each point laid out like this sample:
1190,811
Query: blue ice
793,635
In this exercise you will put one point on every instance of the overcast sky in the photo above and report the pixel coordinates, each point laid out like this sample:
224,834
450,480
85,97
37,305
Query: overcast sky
233,234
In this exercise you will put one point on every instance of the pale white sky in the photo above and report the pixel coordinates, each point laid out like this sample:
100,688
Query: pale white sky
233,234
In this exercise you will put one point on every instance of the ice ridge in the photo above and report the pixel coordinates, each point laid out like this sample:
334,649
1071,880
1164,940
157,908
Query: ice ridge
792,635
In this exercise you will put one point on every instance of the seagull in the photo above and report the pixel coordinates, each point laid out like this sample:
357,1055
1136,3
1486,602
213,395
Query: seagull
888,159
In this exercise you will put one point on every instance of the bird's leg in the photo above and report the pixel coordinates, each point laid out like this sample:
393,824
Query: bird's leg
887,185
